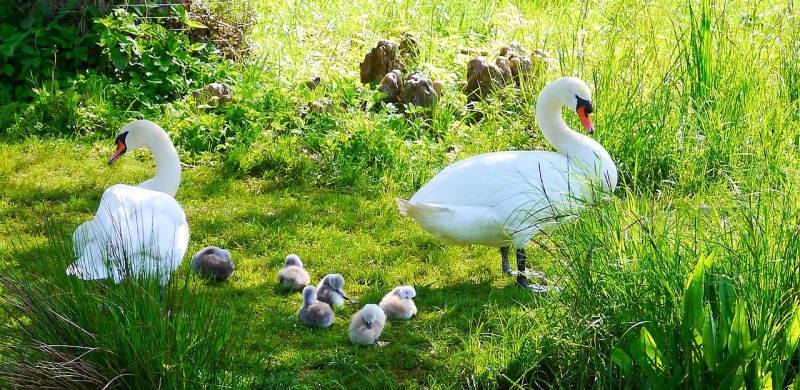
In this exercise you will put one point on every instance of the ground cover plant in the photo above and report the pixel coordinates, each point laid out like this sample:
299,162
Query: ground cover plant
686,277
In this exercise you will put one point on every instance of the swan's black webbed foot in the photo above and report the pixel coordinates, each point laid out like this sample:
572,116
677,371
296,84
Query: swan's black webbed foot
522,275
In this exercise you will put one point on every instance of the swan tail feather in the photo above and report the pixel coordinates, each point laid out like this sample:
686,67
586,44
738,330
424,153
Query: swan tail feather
86,268
414,208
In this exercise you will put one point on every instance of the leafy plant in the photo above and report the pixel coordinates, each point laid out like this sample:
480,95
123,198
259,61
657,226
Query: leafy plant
152,63
718,347
38,49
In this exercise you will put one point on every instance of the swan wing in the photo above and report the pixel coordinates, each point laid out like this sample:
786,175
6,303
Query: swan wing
134,231
496,198
457,224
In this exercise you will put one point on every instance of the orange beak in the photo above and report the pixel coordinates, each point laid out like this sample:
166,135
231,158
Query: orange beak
585,121
121,149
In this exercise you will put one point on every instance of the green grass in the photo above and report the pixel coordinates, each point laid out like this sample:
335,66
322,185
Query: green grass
697,103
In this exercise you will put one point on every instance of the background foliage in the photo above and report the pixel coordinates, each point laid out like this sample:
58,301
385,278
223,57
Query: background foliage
687,278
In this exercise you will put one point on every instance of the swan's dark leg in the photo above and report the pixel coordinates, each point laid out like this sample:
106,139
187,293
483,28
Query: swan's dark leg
506,264
522,280
507,267
522,275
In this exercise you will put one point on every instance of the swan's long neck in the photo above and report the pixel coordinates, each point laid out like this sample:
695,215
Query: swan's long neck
579,148
567,141
168,166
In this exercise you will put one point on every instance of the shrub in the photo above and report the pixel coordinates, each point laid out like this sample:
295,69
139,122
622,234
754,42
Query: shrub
37,48
152,63
82,108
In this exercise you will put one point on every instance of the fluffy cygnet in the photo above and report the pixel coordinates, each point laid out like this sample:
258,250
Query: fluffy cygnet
367,325
213,262
329,290
292,275
315,313
399,303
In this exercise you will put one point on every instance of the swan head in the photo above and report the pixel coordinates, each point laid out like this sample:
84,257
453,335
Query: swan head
132,136
292,259
335,281
371,313
575,94
407,292
309,295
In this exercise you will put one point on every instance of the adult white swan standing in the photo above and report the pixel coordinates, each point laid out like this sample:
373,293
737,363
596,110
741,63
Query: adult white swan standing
138,230
506,198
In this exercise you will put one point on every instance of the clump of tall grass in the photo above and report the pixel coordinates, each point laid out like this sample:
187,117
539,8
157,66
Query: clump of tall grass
643,303
61,332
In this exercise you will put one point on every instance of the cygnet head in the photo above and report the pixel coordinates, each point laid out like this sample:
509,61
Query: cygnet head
293,259
335,281
371,312
309,295
573,93
134,135
407,292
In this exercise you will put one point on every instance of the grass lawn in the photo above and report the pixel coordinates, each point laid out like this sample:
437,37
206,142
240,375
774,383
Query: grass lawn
696,102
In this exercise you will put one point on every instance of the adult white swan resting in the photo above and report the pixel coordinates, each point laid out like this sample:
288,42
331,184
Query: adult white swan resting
138,230
505,198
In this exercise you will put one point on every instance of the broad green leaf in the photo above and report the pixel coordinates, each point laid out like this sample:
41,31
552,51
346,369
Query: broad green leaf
197,46
766,380
119,60
621,358
792,334
693,297
739,339
778,374
710,341
194,24
727,305
10,43
647,355
733,382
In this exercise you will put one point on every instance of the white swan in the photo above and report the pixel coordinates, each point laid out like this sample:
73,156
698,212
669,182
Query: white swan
367,325
399,304
314,313
138,230
213,263
506,198
292,276
329,290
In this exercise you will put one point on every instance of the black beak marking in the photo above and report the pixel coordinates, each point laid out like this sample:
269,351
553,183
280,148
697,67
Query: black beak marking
584,103
121,147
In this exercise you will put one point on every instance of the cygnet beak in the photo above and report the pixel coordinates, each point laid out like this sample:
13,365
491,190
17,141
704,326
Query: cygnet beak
369,325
